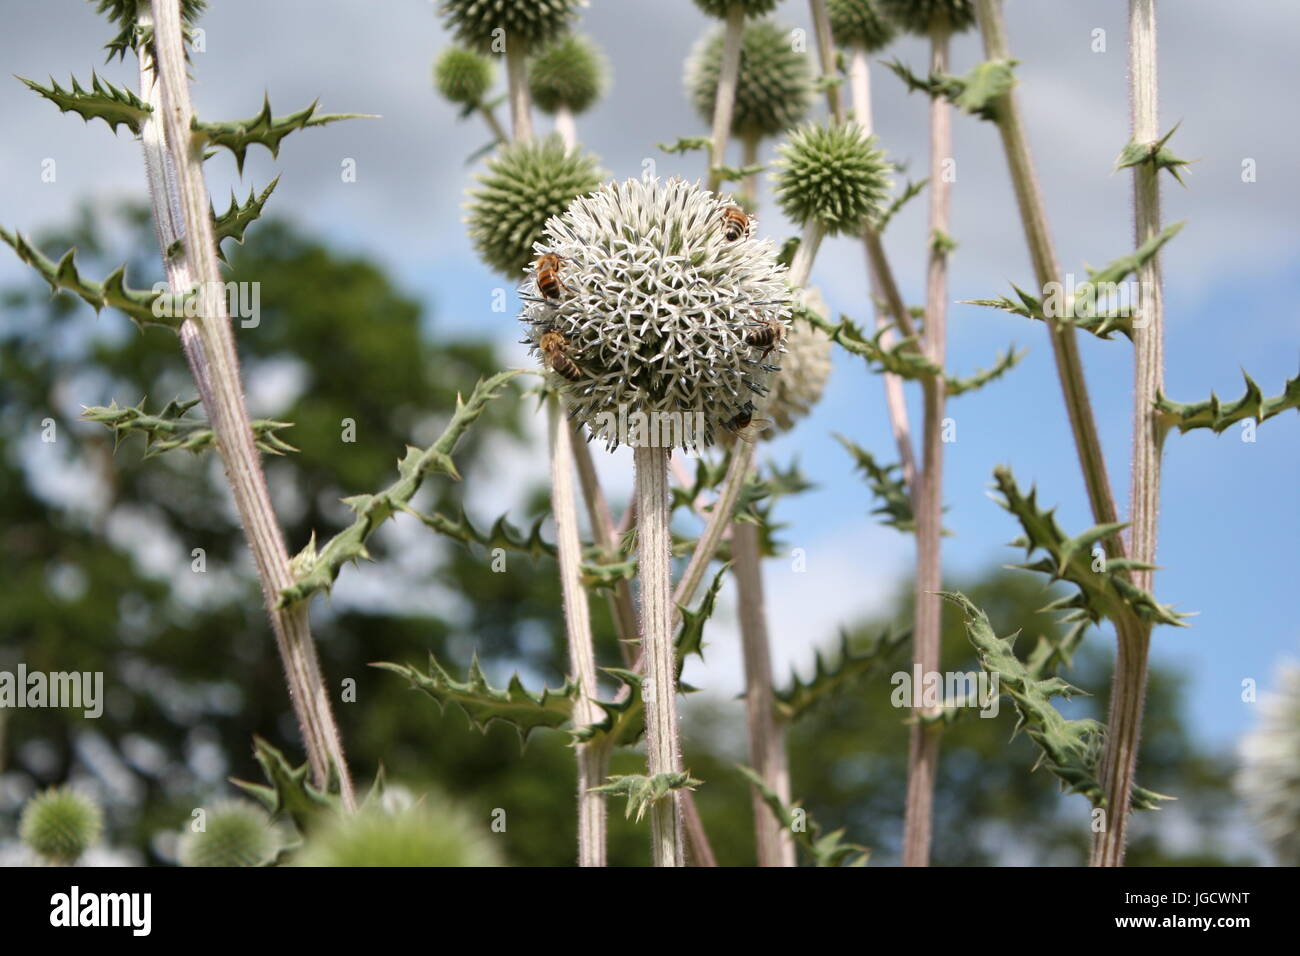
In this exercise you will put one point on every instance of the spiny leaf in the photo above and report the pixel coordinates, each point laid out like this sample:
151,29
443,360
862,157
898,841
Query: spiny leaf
169,429
828,850
125,13
732,174
976,93
137,304
903,357
1217,416
484,704
234,222
317,570
910,192
690,638
1079,307
686,144
503,534
642,792
290,789
886,483
1157,153
116,106
1105,593
1007,361
794,701
268,130
1071,749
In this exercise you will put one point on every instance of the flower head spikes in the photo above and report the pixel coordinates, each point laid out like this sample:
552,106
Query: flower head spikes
773,90
860,23
60,824
752,8
235,833
832,175
653,311
463,76
568,74
920,16
525,184
533,22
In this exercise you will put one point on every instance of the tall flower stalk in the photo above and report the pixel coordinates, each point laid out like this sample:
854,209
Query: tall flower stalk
1128,690
182,208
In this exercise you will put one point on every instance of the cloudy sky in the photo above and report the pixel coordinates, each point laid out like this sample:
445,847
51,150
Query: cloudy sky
1230,519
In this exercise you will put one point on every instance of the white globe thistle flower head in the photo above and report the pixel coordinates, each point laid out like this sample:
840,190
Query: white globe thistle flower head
659,317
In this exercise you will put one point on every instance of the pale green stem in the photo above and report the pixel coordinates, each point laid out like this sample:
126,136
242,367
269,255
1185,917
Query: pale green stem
228,414
767,732
1124,724
724,102
593,759
494,124
521,117
750,158
860,86
923,751
566,127
659,688
826,53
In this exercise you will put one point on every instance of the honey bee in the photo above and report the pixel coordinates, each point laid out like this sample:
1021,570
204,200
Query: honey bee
744,425
767,337
549,282
555,347
735,224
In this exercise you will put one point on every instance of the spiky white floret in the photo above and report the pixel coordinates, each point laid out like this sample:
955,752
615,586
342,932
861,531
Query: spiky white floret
655,306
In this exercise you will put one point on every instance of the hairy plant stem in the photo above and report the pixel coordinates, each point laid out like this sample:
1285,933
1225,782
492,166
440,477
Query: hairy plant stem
1065,346
521,117
749,158
494,124
659,689
566,127
224,402
767,732
1128,690
879,276
923,748
593,758
724,101
826,55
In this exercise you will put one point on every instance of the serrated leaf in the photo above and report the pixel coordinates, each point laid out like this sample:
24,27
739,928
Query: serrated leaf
824,850
264,129
115,105
690,636
643,792
136,304
483,704
170,430
687,144
1106,593
886,483
318,573
1158,154
502,535
234,222
290,791
910,192
1218,416
903,357
732,174
125,13
976,92
800,696
1005,362
1070,749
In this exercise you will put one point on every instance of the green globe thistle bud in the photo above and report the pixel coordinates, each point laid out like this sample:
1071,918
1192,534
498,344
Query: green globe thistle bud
920,16
656,313
805,368
1269,779
463,76
752,8
567,74
525,184
235,833
476,22
773,90
424,834
860,23
60,824
832,175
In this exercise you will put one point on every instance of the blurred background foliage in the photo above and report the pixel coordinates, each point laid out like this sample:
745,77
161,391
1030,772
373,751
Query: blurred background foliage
96,548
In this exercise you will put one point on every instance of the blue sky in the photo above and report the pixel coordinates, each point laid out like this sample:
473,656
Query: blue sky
1230,518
